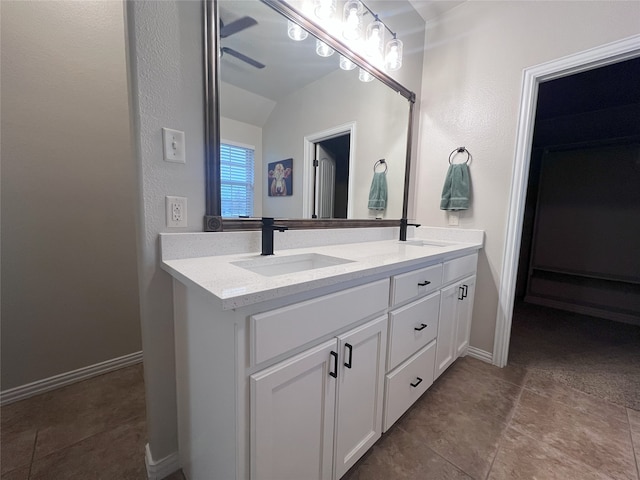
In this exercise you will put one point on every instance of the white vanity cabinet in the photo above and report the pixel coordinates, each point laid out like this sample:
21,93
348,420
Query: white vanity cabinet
330,395
456,305
300,386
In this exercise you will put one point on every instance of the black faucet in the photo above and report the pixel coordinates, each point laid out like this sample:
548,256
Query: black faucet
267,234
403,228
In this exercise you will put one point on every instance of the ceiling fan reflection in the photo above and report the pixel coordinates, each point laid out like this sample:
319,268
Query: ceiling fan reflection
233,28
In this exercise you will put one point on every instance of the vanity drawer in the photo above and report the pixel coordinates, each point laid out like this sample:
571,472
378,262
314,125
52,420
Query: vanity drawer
413,284
460,267
281,330
412,327
405,384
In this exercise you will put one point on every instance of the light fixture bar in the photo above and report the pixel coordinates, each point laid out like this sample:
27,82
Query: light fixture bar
318,31
377,17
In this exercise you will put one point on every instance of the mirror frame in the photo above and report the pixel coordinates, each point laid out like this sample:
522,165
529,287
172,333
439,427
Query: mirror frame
213,222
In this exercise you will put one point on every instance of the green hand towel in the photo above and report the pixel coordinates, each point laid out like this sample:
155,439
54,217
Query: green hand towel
378,191
455,193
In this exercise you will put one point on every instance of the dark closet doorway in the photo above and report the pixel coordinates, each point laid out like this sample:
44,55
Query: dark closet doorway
331,167
581,229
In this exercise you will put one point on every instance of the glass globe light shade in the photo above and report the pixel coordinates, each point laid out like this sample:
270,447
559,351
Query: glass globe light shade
365,76
393,55
296,32
352,20
323,49
374,41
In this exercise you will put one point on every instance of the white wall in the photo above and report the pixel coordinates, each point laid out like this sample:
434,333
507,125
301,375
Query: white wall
166,73
473,62
381,118
70,296
246,134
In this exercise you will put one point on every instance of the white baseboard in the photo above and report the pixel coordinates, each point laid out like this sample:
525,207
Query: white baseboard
480,354
157,470
41,386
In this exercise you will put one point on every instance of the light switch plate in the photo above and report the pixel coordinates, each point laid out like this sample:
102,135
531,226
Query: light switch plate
173,146
176,208
453,218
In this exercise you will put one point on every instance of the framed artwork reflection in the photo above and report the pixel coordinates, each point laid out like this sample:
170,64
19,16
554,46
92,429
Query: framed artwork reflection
280,178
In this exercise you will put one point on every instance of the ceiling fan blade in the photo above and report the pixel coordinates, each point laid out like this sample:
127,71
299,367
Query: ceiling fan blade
236,26
244,58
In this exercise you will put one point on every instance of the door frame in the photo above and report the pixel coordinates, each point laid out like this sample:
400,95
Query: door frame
600,56
307,169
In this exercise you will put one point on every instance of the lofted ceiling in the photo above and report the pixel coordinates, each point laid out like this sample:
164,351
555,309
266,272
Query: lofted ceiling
432,9
291,65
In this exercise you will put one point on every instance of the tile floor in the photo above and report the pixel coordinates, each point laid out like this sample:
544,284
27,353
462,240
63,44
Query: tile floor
476,422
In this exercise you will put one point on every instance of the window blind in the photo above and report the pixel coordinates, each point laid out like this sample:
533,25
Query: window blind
236,180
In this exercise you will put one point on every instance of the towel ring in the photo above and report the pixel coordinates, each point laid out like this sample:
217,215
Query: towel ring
459,150
380,162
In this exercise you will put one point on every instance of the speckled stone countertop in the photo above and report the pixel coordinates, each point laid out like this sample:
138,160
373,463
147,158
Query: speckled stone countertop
237,287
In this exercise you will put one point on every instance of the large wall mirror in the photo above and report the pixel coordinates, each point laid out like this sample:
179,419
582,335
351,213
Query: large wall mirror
317,133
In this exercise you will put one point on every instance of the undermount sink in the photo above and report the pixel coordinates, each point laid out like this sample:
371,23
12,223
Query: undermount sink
425,243
272,265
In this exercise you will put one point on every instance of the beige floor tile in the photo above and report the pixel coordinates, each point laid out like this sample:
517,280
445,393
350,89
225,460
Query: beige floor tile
21,473
467,441
16,449
511,373
634,419
541,384
469,390
603,444
462,417
402,456
634,423
18,426
523,458
79,411
115,454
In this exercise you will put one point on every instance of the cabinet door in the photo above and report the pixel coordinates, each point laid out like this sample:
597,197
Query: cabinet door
464,312
445,344
292,417
360,392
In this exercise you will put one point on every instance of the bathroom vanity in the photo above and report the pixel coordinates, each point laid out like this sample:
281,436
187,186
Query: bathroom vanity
293,366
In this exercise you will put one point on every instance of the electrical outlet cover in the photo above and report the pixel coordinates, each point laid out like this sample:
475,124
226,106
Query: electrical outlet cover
176,211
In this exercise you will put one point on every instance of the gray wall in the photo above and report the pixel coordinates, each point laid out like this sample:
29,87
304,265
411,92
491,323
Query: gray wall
69,280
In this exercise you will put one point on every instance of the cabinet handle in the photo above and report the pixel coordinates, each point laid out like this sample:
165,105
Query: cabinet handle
417,383
350,347
464,295
424,284
334,374
460,293
421,327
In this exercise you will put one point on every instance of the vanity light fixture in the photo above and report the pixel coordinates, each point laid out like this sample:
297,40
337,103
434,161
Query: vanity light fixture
346,64
352,20
296,32
323,49
324,9
387,56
